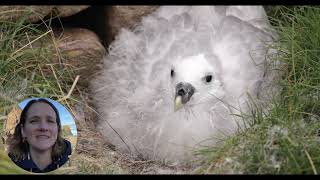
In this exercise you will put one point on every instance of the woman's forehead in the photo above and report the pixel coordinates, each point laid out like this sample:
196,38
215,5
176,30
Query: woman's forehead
40,109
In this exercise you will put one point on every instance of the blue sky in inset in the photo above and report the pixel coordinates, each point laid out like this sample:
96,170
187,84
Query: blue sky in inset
65,116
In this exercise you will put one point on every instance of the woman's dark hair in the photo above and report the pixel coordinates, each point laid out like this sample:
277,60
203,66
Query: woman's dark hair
19,149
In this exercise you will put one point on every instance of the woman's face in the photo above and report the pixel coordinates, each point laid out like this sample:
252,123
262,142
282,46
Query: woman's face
40,128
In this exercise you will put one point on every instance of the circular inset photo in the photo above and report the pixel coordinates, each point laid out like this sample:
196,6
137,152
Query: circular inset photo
41,134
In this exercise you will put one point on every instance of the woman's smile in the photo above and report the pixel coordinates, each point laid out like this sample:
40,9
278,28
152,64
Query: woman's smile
42,137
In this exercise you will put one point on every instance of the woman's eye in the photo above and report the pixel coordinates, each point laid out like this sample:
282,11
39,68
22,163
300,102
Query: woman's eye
33,121
208,78
51,121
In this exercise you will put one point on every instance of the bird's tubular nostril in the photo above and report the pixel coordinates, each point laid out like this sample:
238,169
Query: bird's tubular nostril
181,92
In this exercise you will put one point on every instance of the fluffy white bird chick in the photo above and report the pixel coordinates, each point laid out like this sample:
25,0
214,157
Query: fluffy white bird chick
171,85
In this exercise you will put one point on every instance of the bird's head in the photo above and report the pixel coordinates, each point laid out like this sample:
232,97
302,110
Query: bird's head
194,80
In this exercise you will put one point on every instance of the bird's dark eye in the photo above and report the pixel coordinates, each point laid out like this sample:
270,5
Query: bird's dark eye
172,73
208,78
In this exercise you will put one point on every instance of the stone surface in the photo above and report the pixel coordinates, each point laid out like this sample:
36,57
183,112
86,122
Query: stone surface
13,13
80,48
12,120
10,125
65,11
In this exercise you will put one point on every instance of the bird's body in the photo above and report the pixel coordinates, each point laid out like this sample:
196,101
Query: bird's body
171,85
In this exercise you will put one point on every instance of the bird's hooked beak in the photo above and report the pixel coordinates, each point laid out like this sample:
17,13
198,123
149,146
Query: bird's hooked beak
183,93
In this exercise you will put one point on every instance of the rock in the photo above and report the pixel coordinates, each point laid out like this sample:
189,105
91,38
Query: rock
12,120
77,48
80,48
13,13
66,130
65,11
10,124
125,16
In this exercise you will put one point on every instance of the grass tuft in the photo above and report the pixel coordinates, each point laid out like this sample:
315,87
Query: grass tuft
27,64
